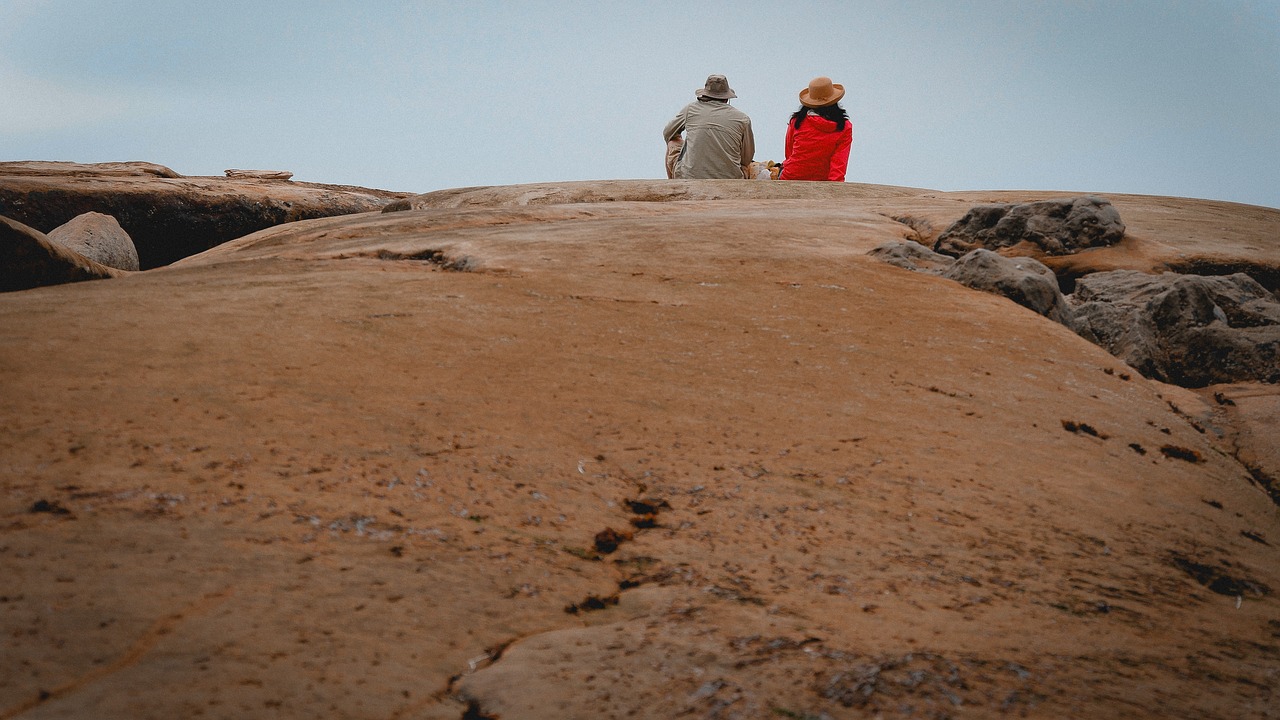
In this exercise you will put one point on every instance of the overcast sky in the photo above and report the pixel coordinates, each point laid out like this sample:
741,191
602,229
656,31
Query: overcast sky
1164,97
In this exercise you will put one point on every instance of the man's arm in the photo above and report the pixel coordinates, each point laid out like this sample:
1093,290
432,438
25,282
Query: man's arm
675,127
748,148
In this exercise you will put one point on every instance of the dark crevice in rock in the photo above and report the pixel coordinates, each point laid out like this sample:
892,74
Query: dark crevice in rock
1180,453
590,603
921,230
607,540
1217,579
439,258
1256,537
1083,429
475,712
1267,275
1264,480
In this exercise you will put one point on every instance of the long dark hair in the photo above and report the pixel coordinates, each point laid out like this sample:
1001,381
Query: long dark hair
832,112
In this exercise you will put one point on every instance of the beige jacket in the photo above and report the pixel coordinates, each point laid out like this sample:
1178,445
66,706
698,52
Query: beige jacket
718,141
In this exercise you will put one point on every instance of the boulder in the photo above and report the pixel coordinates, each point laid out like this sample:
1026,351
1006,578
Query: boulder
98,237
1189,330
1023,280
1051,227
28,259
913,256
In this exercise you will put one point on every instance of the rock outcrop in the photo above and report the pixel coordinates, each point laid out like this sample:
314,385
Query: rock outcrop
98,237
1188,330
28,259
1052,227
259,174
167,215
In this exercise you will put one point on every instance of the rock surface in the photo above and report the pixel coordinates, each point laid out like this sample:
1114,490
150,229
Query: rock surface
697,458
1052,227
1188,330
98,237
169,216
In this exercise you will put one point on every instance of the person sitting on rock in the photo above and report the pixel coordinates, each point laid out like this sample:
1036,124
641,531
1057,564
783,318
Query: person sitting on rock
717,141
819,135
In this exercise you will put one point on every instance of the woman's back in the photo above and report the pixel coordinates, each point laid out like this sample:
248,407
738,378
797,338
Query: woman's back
819,135
817,150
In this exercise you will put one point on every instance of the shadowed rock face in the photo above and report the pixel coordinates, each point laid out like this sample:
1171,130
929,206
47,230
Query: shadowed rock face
169,216
1052,227
28,259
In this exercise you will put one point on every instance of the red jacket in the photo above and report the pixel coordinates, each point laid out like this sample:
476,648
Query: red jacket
816,151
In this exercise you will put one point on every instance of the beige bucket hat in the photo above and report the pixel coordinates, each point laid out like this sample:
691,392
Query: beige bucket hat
717,87
821,93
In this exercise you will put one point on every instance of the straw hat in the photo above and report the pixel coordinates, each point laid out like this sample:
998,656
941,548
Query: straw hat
821,93
717,87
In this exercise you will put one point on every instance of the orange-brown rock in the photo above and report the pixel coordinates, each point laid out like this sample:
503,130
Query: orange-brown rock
169,216
361,467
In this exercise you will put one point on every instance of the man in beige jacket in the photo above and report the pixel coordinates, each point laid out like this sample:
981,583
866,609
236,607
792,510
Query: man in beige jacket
717,142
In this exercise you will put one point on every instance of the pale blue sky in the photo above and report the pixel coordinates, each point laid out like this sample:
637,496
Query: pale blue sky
1172,97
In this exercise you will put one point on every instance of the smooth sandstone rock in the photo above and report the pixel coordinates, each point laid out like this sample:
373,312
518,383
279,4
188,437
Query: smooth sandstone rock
259,174
98,237
867,489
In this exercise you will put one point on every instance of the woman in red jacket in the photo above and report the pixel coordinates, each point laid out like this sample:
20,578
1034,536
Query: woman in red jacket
819,135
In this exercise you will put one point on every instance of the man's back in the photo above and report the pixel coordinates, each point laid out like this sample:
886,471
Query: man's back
718,140
719,143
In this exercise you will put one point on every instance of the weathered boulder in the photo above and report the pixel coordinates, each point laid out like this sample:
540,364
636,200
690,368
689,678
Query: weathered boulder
169,216
1051,227
1023,280
98,237
1189,330
28,259
913,256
